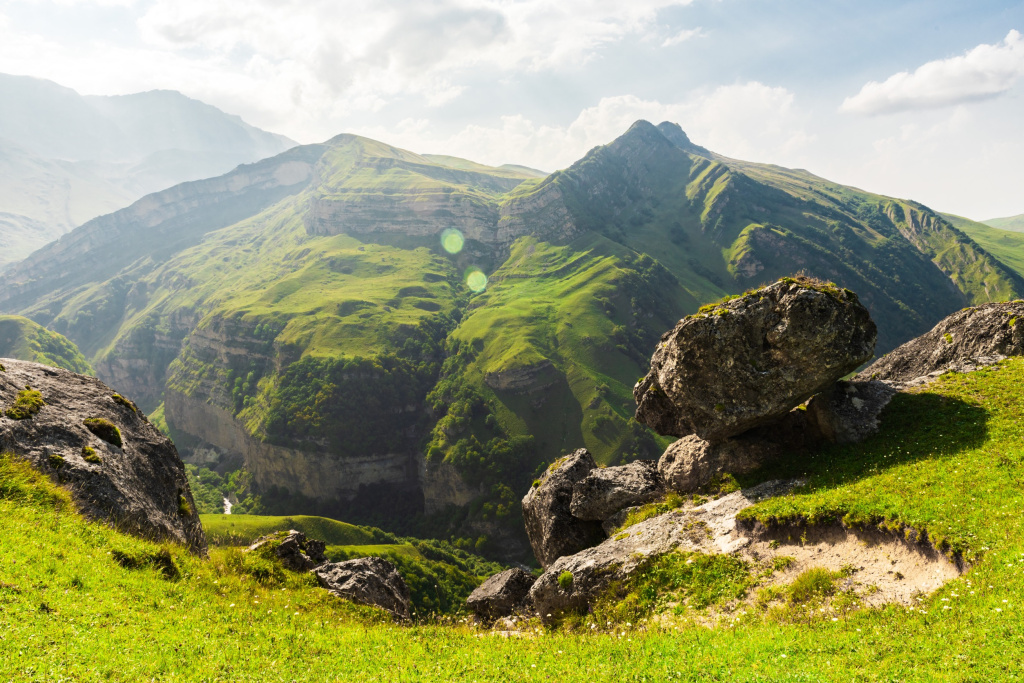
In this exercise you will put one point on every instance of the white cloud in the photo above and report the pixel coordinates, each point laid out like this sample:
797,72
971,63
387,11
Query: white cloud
750,121
984,72
683,36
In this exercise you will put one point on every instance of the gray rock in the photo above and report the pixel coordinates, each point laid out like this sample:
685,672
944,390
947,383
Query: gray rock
751,360
964,341
606,490
367,581
501,595
708,528
297,553
849,411
139,487
692,462
550,525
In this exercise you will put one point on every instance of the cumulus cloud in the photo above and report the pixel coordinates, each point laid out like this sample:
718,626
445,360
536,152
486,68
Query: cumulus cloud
750,120
984,72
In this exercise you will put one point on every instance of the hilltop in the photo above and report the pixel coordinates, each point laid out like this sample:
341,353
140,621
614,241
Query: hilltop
25,340
1014,223
67,158
310,317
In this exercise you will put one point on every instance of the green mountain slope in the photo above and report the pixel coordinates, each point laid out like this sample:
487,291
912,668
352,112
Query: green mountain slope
1014,223
26,340
300,316
1006,244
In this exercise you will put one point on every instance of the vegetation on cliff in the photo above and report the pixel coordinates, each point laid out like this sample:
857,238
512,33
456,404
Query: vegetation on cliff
26,340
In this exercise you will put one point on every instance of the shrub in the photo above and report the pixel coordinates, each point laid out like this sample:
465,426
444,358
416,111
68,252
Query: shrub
27,404
565,581
104,429
89,455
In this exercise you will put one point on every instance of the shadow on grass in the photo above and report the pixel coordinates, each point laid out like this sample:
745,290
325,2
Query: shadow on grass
914,427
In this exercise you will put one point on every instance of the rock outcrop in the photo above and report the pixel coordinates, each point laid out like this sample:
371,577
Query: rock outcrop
573,582
606,490
849,412
368,581
550,525
501,595
965,340
751,360
296,552
139,486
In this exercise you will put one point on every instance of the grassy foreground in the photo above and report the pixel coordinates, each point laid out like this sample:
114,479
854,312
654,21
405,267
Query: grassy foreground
949,460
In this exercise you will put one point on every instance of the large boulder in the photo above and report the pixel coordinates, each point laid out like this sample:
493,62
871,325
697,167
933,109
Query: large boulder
295,551
501,595
606,490
751,360
118,467
849,412
965,340
368,581
550,525
573,582
691,462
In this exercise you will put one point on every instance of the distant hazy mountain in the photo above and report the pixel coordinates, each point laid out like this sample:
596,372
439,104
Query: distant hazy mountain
65,158
300,314
1015,223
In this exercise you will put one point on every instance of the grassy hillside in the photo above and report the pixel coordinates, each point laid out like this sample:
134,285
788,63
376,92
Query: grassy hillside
25,340
303,315
948,460
1014,223
1006,243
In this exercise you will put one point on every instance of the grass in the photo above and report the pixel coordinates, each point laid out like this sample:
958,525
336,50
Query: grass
244,529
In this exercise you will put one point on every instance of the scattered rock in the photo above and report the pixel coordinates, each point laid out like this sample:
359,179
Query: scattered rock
606,490
751,360
501,595
297,553
368,581
707,528
550,525
968,339
139,487
692,462
849,412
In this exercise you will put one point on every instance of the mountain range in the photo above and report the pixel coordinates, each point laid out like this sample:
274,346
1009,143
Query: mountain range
391,336
66,158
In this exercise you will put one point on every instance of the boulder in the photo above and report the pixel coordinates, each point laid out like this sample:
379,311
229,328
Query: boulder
550,525
296,552
367,581
573,582
606,490
692,462
749,361
501,595
968,339
130,476
849,412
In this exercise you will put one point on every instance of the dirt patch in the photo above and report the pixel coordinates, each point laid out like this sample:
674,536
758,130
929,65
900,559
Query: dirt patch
880,567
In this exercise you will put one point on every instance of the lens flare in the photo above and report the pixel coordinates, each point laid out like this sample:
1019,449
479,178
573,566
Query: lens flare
476,280
452,241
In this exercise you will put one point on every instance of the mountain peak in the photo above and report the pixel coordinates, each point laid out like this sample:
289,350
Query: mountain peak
675,134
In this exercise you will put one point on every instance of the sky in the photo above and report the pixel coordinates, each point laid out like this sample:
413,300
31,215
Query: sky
921,100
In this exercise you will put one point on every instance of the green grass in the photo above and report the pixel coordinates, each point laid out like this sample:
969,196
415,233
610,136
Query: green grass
1015,223
26,404
1002,241
24,339
244,529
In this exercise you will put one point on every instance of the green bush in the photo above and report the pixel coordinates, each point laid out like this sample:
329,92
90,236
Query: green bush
565,581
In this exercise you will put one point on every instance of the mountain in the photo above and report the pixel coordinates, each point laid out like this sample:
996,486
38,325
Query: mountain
300,315
1005,244
1014,223
25,340
65,158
